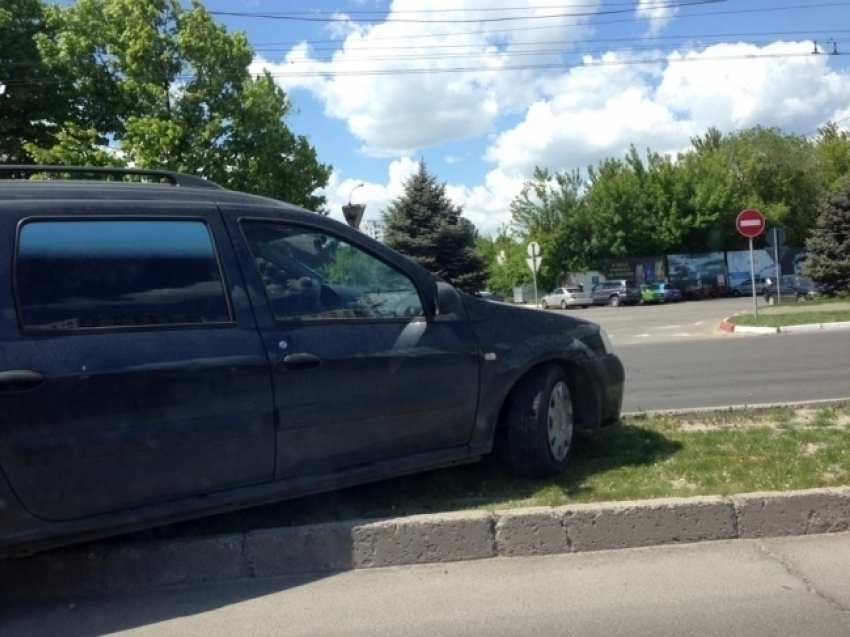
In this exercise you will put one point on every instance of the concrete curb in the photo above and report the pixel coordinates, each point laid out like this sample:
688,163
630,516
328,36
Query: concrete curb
423,539
727,326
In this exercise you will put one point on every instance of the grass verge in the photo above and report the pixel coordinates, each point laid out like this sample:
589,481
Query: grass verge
801,318
735,451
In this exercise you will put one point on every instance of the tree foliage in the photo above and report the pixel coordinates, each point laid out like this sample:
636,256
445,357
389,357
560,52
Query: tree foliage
829,244
35,97
644,205
159,85
424,225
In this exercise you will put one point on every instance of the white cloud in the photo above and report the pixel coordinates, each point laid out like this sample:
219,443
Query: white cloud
570,118
393,113
597,111
658,12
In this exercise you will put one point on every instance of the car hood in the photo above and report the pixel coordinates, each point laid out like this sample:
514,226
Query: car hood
503,324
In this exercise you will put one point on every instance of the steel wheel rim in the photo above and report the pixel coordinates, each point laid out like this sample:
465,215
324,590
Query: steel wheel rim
559,421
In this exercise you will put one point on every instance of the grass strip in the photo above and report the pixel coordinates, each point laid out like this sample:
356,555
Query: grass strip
715,453
800,318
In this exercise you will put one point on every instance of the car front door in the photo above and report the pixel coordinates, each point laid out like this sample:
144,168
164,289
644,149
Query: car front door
362,371
600,294
128,373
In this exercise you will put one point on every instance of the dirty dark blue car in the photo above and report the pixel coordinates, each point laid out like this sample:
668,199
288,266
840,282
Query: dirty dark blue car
170,349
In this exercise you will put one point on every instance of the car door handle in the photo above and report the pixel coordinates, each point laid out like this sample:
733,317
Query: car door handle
301,362
20,380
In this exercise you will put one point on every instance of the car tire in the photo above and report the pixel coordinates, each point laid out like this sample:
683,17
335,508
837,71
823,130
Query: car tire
584,307
770,300
614,301
563,305
541,423
736,292
544,305
801,298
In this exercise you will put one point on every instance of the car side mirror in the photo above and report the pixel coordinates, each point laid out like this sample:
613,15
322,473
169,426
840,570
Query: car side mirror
448,300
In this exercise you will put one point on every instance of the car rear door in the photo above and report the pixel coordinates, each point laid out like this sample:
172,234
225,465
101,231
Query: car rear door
129,374
363,371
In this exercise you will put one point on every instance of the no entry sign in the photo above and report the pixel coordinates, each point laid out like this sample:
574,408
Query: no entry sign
750,223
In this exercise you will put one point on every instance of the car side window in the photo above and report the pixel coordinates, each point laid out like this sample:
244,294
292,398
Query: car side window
312,275
97,273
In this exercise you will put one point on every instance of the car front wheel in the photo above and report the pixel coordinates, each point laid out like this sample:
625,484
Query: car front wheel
563,305
539,436
614,301
544,305
771,300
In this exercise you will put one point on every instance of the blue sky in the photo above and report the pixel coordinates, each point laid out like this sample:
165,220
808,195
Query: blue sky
484,90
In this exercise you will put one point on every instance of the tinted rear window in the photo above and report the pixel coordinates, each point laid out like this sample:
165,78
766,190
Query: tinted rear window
100,273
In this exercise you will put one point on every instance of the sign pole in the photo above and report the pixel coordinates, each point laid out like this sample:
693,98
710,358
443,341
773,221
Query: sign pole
778,265
753,280
534,272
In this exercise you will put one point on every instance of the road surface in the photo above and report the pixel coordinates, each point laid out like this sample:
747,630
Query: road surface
736,369
667,323
792,586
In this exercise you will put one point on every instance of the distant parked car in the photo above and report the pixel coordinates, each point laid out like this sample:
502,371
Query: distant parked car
566,297
746,288
791,288
671,293
615,293
650,294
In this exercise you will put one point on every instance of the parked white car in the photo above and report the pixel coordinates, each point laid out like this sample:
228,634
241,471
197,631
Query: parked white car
566,297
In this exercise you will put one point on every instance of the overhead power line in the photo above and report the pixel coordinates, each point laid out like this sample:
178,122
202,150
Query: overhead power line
685,39
561,6
483,68
300,17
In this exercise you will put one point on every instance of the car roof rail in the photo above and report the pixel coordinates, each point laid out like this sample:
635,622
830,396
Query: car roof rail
15,171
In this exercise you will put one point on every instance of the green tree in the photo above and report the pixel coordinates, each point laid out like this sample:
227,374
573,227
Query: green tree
424,225
552,211
832,148
777,173
504,259
829,244
35,95
169,88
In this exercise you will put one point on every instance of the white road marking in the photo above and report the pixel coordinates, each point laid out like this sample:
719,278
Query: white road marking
668,327
681,334
642,335
699,322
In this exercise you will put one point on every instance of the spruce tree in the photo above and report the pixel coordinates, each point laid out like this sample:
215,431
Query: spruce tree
829,243
425,226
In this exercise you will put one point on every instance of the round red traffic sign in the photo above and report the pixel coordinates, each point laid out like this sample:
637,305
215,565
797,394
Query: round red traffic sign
750,222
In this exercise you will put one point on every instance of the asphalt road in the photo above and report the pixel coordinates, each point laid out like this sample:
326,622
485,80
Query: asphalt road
667,323
736,369
790,586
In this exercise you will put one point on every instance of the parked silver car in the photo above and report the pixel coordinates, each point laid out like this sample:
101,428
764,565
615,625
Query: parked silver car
566,297
746,288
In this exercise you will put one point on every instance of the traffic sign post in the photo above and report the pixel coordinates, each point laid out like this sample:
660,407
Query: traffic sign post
750,223
533,262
